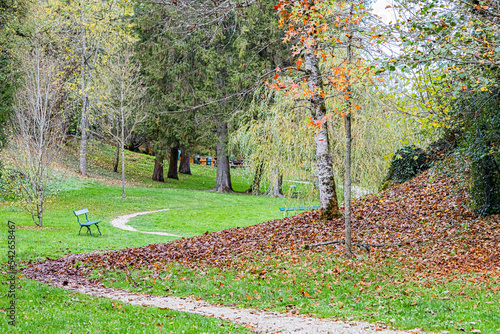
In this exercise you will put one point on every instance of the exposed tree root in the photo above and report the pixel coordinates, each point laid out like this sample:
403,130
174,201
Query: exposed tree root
364,245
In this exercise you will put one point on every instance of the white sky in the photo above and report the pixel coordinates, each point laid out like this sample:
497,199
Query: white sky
379,8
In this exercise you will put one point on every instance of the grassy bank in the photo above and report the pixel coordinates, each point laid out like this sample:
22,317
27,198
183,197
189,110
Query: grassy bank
41,308
326,286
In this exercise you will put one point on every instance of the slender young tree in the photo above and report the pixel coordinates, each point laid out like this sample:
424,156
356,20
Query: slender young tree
38,126
124,105
305,30
89,31
90,43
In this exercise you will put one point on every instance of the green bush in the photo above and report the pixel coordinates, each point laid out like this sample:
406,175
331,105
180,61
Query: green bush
480,144
406,163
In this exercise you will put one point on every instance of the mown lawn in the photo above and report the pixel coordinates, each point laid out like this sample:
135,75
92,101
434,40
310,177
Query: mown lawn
41,308
323,285
308,282
44,309
192,212
139,169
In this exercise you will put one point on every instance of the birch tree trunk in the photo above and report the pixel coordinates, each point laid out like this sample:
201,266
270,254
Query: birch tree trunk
328,197
172,166
184,166
40,208
123,171
223,179
83,132
347,166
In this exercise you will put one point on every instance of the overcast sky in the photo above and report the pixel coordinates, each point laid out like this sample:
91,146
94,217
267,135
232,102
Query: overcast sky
387,15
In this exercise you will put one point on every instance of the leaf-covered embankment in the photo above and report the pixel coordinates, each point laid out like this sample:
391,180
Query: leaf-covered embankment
423,223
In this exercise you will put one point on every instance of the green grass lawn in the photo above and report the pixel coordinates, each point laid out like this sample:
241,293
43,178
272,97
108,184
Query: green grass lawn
325,286
192,212
44,309
139,168
310,283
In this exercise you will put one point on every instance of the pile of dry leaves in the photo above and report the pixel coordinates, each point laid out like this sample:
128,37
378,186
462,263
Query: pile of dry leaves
423,223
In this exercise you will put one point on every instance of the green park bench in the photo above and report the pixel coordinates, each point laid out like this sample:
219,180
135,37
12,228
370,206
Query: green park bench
294,191
286,209
88,223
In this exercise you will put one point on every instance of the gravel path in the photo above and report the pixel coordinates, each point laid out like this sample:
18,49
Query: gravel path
258,321
121,222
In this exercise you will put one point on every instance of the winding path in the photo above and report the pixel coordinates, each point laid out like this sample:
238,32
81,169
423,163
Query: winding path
121,223
255,320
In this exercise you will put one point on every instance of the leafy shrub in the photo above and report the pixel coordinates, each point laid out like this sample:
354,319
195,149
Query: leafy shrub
480,145
406,163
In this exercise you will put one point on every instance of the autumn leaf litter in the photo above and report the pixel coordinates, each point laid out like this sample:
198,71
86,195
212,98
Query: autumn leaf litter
424,225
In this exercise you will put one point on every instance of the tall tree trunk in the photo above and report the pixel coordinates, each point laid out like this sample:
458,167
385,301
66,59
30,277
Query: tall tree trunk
84,118
347,167
158,171
276,186
172,166
254,188
123,171
223,179
123,152
328,196
84,134
117,158
185,166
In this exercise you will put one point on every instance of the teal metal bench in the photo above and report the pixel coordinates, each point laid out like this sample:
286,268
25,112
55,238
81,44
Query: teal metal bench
286,209
88,223
294,191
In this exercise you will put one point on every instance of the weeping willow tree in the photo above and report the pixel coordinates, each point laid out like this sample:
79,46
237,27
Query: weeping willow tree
276,140
277,144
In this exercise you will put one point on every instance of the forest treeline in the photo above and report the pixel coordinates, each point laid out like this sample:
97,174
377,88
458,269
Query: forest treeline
320,91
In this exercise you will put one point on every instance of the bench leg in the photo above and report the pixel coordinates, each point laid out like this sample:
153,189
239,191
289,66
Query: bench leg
80,230
97,225
88,230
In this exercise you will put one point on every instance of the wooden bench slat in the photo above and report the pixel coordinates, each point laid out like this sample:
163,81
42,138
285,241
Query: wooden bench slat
81,212
295,208
92,222
300,208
